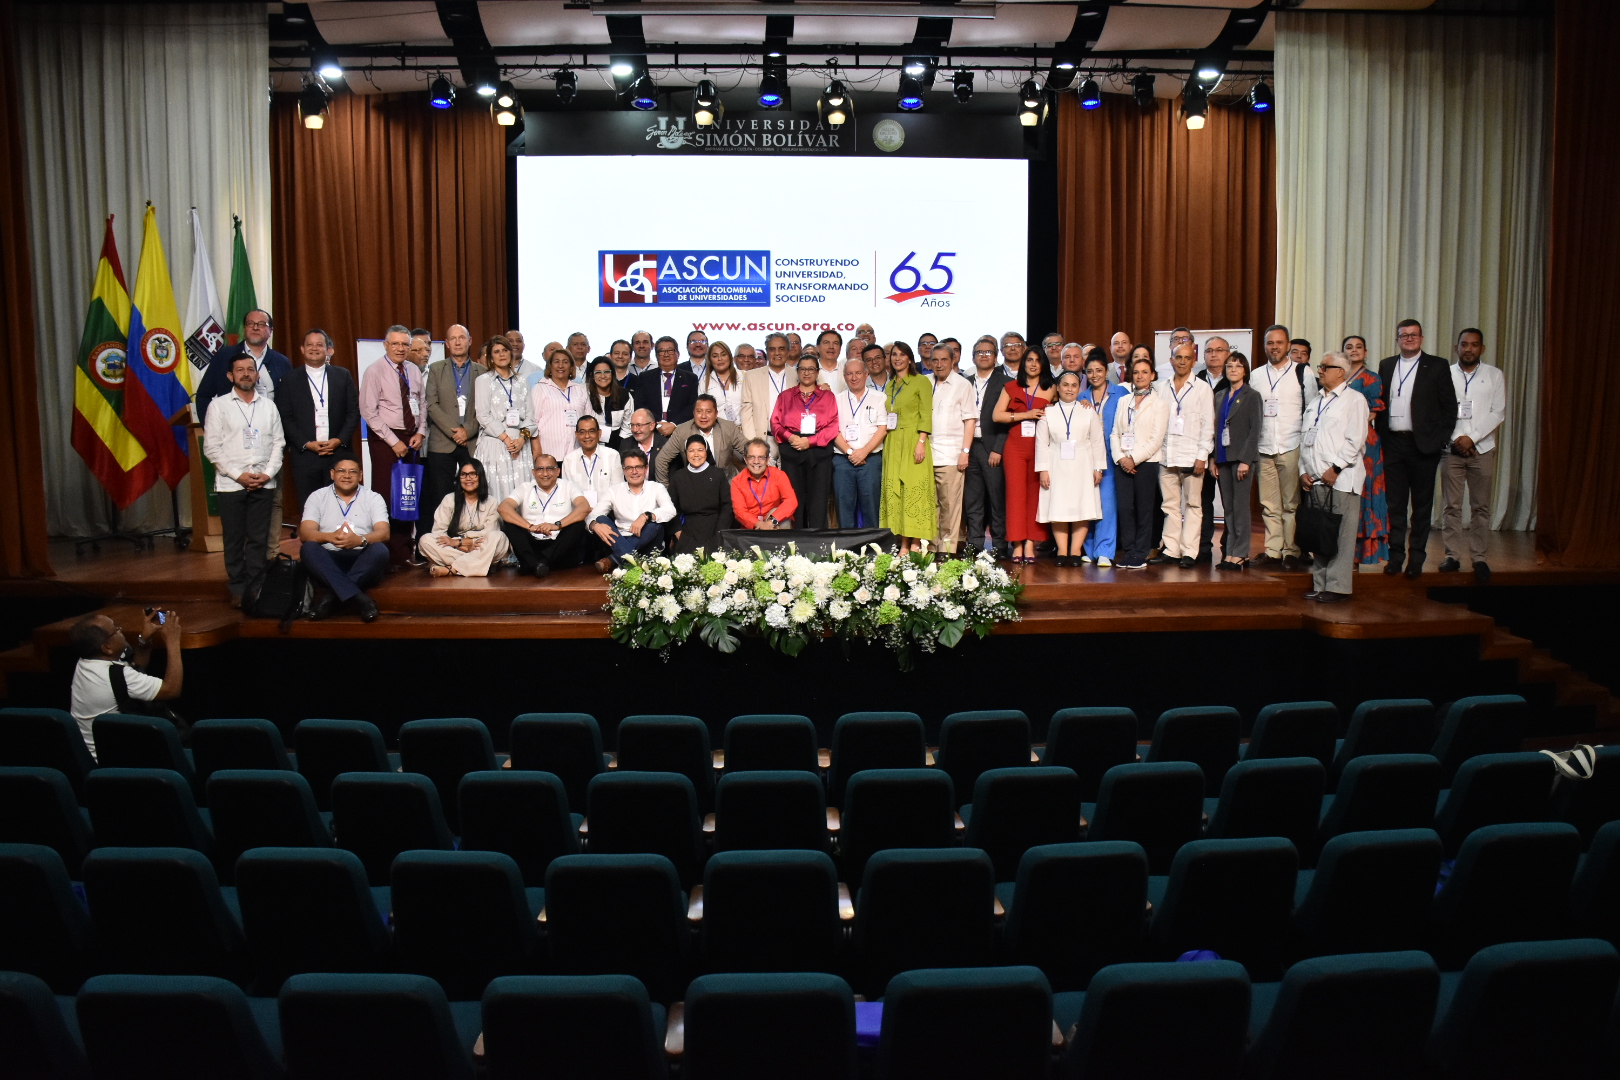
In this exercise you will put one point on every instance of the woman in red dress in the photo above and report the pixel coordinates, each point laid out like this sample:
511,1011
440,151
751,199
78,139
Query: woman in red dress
1022,405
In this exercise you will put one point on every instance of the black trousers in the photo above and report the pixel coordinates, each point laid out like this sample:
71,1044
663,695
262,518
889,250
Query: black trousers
984,497
810,473
558,552
1136,503
1408,476
310,472
1206,537
244,517
439,477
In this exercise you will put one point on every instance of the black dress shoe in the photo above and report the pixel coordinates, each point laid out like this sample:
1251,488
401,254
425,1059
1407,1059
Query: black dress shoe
1482,572
1325,597
1266,562
542,569
1393,566
1290,562
1188,562
1158,560
1414,570
1450,566
367,606
324,607
1203,557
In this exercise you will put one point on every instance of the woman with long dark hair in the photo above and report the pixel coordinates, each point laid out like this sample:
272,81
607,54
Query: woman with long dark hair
1022,404
466,536
608,401
1372,534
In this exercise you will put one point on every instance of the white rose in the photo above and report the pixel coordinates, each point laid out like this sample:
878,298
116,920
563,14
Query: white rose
730,578
784,598
777,584
619,573
661,562
739,599
891,593
909,575
863,595
936,589
992,598
969,582
644,603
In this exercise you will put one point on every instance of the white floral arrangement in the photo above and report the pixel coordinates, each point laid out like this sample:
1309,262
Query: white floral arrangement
789,599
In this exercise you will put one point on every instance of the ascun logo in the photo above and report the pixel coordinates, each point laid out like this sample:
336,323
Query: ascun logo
686,278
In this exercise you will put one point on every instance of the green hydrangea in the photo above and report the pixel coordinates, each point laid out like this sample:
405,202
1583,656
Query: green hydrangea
951,573
888,613
620,614
845,583
760,568
713,572
881,564
632,576
762,592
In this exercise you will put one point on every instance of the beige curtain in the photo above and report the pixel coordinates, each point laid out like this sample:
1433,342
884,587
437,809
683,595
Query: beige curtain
122,103
1410,184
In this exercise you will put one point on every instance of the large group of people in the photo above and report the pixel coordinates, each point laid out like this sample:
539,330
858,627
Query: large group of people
1081,453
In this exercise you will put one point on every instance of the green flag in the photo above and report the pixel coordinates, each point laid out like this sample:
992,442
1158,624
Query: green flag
242,299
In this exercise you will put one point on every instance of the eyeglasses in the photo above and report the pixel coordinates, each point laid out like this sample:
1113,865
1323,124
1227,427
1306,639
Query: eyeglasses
545,468
1409,334
469,476
257,325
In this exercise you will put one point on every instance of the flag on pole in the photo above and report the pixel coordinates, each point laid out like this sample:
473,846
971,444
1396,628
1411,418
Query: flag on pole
114,455
162,384
242,299
205,335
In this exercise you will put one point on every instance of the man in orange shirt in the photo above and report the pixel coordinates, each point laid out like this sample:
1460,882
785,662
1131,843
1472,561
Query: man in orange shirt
761,496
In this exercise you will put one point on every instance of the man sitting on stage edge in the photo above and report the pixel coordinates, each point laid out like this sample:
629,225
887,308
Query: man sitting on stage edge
545,518
632,513
345,539
761,496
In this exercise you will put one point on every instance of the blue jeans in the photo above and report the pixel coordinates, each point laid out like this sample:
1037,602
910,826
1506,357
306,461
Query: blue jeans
651,540
346,571
857,489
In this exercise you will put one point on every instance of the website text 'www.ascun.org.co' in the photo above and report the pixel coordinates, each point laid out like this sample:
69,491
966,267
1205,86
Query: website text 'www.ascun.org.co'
783,327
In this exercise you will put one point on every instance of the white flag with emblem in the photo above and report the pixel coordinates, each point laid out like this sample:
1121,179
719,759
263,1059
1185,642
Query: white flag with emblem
205,334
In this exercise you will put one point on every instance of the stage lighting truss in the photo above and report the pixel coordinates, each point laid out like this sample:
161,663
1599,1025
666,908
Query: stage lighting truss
1031,103
835,106
1194,103
1090,94
1142,90
962,87
441,94
312,100
707,108
1259,99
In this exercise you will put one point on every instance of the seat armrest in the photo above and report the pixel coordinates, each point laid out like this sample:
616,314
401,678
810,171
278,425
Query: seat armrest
708,823
961,826
675,1030
824,758
835,820
718,758
612,759
478,1050
846,905
928,757
694,905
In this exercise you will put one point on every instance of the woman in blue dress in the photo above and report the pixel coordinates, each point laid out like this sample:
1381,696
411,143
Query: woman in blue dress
1103,397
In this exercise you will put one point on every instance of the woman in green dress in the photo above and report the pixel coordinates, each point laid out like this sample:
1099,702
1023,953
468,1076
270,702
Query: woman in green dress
908,508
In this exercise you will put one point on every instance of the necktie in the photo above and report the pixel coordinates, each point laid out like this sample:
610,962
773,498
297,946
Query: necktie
669,377
405,399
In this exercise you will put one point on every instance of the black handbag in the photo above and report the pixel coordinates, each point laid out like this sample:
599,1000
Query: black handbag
282,595
1316,526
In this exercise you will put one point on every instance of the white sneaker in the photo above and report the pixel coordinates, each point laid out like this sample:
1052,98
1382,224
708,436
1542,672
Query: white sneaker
1085,558
1104,563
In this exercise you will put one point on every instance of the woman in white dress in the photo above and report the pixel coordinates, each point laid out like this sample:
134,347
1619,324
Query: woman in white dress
1070,459
723,382
466,536
505,421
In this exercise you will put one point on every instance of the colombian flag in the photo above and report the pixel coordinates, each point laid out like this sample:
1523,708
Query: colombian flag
157,358
113,454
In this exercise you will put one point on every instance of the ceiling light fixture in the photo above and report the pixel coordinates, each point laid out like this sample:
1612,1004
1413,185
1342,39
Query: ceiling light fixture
1194,105
1031,103
312,106
644,94
1090,94
567,85
1142,85
835,106
441,95
707,108
962,86
1260,97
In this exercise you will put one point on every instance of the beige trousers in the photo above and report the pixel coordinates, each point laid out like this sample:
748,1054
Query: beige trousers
948,494
1183,493
466,563
1279,498
1465,538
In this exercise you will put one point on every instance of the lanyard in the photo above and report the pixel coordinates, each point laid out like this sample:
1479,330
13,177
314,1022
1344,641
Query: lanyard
459,373
1226,408
506,387
1100,404
855,406
890,392
777,386
1468,380
807,404
545,504
978,390
248,415
320,391
1068,417
1182,396
759,498
1269,379
346,507
1326,401
590,469
1401,380
568,395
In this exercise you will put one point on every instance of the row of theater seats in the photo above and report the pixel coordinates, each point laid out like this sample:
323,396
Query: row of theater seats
465,917
1518,1010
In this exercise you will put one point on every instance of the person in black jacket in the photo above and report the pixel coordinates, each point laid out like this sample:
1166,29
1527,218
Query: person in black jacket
984,487
1420,411
274,369
320,409
1236,459
667,391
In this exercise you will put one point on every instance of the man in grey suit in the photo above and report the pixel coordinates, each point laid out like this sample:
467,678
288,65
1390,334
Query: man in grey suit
452,418
728,450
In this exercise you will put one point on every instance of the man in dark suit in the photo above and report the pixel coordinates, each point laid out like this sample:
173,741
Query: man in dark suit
668,391
1420,411
1216,352
319,405
984,487
273,366
644,434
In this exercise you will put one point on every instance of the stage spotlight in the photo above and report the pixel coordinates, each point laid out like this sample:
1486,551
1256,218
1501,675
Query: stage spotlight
312,106
911,91
707,108
328,67
485,87
772,89
1062,74
962,86
1260,97
915,67
505,95
1031,103
441,95
506,115
567,85
1194,104
644,94
1142,90
621,68
1090,94
834,105
1209,70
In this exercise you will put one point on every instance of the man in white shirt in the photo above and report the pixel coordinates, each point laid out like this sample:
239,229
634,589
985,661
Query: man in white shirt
697,354
545,519
590,466
858,448
1331,448
243,438
344,534
1286,389
1178,337
102,647
762,386
1187,445
877,367
631,519
955,416
1470,460
829,349
641,353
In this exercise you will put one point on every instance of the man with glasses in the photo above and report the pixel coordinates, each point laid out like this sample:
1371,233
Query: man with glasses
1287,390
1420,412
762,497
320,410
984,487
1052,346
344,534
579,347
391,405
590,466
273,367
762,386
745,359
630,520
697,354
1217,350
544,520
1012,352
644,434
1331,455
102,647
452,428
877,366
668,391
